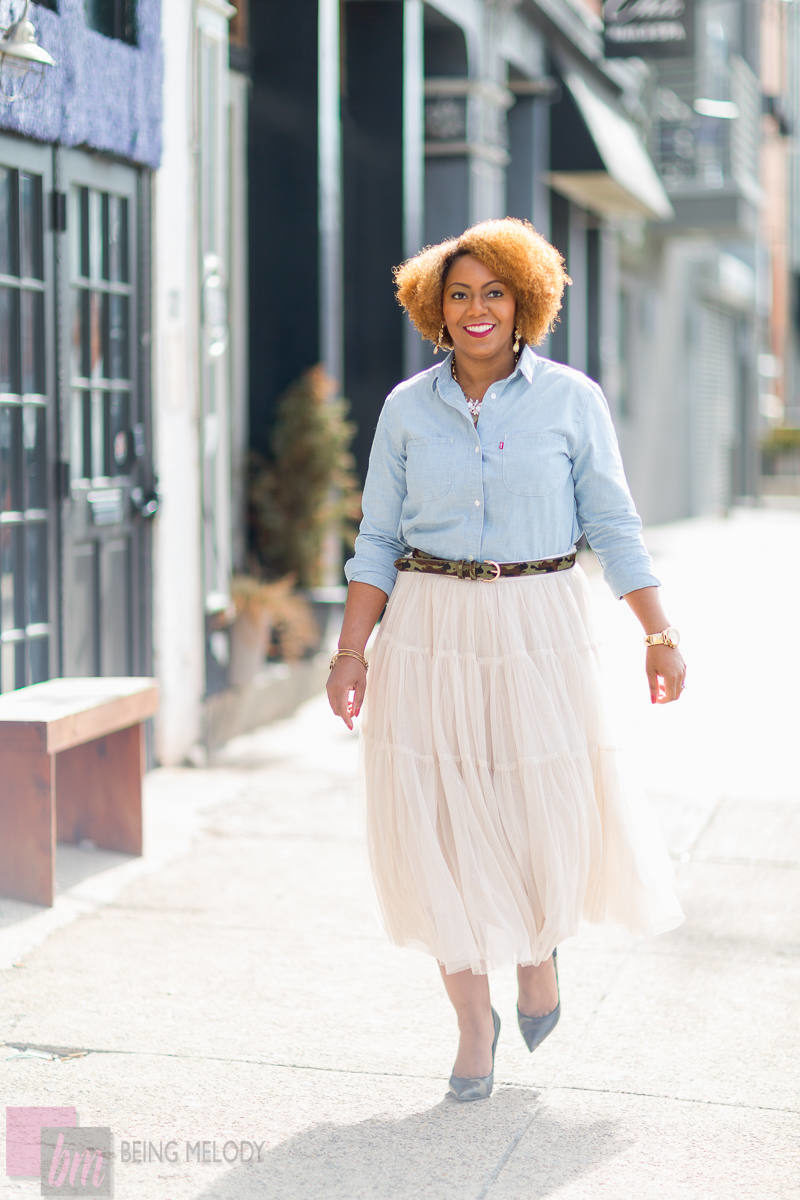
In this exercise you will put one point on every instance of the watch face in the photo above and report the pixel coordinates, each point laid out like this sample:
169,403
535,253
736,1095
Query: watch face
672,636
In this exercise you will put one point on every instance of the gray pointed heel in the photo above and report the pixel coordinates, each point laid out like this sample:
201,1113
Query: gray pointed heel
479,1087
535,1029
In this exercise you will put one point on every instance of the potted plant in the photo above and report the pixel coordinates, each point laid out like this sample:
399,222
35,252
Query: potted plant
304,497
780,450
265,612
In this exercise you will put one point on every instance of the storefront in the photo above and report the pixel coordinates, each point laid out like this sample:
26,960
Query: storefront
77,486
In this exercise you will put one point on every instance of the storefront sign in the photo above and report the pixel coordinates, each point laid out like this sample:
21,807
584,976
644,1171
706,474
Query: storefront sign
648,28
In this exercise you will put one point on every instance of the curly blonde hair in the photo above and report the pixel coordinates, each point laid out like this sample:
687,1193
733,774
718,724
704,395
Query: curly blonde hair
521,257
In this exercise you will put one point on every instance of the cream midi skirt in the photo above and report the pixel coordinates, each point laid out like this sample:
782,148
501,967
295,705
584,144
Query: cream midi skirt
496,816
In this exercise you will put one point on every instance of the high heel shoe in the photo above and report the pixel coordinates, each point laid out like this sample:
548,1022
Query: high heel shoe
479,1087
535,1029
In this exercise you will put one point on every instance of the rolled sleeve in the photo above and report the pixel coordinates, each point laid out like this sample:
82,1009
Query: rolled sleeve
378,543
605,508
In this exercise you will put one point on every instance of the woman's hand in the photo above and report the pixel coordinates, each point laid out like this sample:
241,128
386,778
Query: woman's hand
666,670
346,686
666,673
347,681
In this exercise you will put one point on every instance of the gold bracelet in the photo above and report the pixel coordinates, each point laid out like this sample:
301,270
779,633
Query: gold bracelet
350,654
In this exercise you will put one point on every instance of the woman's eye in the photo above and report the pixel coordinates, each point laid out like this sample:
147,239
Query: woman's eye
496,292
458,295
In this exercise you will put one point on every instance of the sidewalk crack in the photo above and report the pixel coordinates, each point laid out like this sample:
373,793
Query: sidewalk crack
704,827
82,1051
505,1157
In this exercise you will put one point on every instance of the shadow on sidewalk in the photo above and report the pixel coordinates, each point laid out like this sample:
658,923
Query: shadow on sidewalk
451,1150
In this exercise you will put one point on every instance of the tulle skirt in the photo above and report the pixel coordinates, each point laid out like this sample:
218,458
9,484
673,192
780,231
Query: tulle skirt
497,816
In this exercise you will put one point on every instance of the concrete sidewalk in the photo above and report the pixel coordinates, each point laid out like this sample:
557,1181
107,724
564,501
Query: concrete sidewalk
230,1004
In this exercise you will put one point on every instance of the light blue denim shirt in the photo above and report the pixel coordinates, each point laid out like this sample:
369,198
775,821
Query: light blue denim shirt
541,467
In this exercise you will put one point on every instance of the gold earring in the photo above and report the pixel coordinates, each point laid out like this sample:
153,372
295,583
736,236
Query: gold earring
516,340
439,345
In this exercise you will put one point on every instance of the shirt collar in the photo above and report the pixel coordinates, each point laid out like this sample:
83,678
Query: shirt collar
443,380
527,362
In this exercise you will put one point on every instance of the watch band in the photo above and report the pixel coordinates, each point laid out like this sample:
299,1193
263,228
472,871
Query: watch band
667,637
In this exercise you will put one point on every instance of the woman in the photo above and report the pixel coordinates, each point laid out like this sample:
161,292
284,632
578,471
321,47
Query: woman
496,819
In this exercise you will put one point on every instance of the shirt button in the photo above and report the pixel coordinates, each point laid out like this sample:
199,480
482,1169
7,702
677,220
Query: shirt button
494,394
477,503
477,449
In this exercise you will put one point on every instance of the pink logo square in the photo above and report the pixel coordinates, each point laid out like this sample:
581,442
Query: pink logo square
23,1137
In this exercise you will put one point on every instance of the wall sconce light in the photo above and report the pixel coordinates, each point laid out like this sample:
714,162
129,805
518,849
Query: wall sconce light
22,60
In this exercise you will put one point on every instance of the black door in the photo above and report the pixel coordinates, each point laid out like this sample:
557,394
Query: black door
76,483
102,426
28,548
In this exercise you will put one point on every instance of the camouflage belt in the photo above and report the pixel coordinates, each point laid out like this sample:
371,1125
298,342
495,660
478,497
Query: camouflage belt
488,570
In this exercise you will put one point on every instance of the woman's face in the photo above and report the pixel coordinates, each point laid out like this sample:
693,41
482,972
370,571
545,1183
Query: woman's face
478,309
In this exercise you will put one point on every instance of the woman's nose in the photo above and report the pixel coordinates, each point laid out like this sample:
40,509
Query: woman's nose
477,307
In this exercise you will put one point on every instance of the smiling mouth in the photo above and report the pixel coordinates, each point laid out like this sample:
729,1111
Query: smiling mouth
479,330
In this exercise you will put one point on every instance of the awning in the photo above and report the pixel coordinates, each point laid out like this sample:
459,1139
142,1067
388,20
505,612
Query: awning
615,176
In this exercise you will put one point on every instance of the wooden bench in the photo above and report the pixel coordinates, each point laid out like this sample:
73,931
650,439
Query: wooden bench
71,766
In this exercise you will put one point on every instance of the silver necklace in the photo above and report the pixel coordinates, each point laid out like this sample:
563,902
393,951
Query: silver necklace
473,402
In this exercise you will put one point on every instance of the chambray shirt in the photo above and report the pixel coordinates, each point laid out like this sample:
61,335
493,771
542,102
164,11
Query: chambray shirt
541,467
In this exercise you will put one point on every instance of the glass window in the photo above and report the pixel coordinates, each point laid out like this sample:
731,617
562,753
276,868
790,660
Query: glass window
12,598
98,303
118,425
7,240
32,331
9,340
11,498
95,226
80,250
7,666
115,238
105,256
31,229
114,18
34,430
120,265
80,333
118,364
80,455
6,458
38,656
97,435
36,582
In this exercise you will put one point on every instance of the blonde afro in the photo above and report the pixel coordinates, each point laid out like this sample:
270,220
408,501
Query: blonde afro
513,250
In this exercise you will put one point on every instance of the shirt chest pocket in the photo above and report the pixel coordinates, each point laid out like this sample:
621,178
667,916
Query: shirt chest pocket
429,468
535,464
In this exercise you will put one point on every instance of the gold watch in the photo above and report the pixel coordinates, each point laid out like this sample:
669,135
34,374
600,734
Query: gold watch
668,637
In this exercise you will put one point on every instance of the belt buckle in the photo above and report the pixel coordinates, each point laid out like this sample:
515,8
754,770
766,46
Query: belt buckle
491,563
